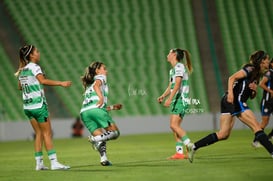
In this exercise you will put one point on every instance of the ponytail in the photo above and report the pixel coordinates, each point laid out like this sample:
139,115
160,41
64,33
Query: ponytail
180,55
90,72
188,59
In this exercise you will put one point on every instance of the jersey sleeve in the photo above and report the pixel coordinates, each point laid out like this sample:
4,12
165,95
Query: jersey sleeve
102,78
179,70
36,70
248,69
268,75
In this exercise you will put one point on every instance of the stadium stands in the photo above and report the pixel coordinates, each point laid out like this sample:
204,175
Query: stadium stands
246,26
131,37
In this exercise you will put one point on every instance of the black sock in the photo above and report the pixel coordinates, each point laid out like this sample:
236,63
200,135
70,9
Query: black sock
255,139
208,140
263,139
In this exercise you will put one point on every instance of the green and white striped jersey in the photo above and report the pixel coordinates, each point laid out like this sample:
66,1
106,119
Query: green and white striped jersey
179,70
32,90
90,96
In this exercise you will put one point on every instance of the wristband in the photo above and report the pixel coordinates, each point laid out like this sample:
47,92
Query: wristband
111,107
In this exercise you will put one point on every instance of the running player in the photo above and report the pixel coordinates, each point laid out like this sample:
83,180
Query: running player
94,111
241,86
178,92
267,101
31,81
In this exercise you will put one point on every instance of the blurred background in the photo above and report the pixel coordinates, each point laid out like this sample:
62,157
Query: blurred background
133,38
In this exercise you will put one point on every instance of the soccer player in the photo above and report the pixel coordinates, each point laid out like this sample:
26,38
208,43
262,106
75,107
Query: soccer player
178,95
31,81
95,112
267,101
241,86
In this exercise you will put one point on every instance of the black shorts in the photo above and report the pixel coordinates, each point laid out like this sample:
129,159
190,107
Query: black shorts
234,109
266,107
226,107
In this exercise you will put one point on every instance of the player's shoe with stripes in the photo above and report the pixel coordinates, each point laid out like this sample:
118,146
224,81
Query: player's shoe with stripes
191,151
256,144
95,145
106,163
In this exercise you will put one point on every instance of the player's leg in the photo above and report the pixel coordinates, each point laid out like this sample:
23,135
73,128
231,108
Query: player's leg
179,148
52,155
263,124
249,119
38,145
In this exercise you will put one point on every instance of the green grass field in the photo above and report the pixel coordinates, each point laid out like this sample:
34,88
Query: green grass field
141,157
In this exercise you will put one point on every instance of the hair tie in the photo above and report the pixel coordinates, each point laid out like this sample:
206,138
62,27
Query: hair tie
28,52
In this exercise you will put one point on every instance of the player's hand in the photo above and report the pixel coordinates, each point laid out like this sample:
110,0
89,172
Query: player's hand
167,103
160,99
66,83
117,106
100,103
230,98
253,86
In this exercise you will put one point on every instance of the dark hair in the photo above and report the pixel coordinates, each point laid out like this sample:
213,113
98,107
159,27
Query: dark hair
256,59
180,55
271,61
24,53
90,72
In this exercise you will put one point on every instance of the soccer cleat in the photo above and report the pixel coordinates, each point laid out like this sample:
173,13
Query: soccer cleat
58,166
178,156
256,144
93,143
191,152
106,163
41,167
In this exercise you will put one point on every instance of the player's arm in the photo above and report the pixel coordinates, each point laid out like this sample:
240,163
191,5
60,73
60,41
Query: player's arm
97,85
165,94
264,86
114,107
177,85
238,75
45,81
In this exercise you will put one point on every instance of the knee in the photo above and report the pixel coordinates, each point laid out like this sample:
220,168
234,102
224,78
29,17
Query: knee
173,127
222,136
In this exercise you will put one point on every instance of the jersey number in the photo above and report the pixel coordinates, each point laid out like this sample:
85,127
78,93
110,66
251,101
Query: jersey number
25,88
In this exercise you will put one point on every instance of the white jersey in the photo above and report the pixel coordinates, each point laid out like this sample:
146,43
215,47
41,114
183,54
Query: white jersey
32,90
179,70
90,96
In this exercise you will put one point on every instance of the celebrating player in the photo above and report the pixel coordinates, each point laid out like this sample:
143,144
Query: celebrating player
94,111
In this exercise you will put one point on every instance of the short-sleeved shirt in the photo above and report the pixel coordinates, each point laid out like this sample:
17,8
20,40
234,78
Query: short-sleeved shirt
180,101
267,100
179,70
90,96
241,92
32,91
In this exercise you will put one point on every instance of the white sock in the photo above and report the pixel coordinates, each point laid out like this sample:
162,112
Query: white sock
179,147
53,158
39,160
108,135
186,141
